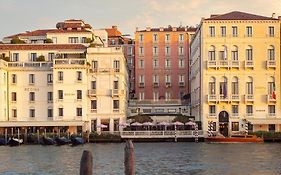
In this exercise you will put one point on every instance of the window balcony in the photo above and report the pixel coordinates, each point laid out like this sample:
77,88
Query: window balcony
141,85
92,92
235,114
115,92
272,114
212,114
249,114
155,84
249,64
235,64
93,110
168,84
212,98
212,64
249,98
181,84
271,64
235,97
223,63
116,70
223,97
270,98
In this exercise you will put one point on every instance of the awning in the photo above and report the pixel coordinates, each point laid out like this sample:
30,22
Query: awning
40,123
265,121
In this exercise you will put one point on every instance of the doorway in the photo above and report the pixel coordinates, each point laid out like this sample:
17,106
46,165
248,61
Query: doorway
223,128
223,123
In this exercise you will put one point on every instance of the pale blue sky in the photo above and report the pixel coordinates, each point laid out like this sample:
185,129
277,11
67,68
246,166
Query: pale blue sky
21,15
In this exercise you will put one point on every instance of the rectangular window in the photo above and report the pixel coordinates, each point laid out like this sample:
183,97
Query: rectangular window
141,78
31,78
155,50
49,78
115,84
60,112
271,127
181,51
141,37
249,54
167,63
155,96
249,31
234,109
155,37
181,63
181,37
141,64
72,39
33,56
271,54
50,112
14,78
15,57
51,56
167,37
168,79
95,66
116,65
212,55
223,31
60,75
50,96
14,113
93,84
167,50
234,88
155,63
212,88
93,104
212,110
235,126
141,50
271,110
60,94
79,75
115,104
141,96
79,112
222,55
249,87
234,31
14,96
167,96
155,79
181,78
79,95
234,55
83,40
271,31
31,112
249,110
130,50
31,96
212,31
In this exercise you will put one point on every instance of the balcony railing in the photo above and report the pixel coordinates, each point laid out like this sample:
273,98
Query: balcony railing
271,63
155,84
235,64
235,114
223,63
117,92
235,97
168,84
92,92
212,114
249,114
212,98
223,97
30,65
141,85
249,64
181,84
270,98
212,64
249,97
70,61
271,114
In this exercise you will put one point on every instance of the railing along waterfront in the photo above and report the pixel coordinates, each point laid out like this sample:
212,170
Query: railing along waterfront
161,134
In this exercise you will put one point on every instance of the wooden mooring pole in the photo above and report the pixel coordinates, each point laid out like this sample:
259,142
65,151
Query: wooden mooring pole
86,164
129,158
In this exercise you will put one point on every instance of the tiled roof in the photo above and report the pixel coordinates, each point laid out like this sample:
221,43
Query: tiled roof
69,31
113,32
236,15
170,29
41,46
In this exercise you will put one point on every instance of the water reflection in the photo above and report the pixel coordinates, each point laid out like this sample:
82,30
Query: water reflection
151,158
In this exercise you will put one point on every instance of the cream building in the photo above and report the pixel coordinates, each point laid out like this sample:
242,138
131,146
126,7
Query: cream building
235,73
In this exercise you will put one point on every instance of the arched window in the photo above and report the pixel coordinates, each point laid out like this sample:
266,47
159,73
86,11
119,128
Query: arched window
223,87
271,53
212,53
249,85
223,53
234,86
271,85
249,53
234,53
212,86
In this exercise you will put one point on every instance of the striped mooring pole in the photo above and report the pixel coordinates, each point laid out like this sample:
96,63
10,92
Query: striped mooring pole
246,128
211,128
196,133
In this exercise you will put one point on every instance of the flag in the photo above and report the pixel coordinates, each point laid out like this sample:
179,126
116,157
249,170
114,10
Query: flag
273,92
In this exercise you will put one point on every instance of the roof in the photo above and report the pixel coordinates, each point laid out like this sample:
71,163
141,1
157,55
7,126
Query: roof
41,46
170,29
113,32
236,15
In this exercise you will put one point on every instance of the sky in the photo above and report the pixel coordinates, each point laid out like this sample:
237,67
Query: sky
18,16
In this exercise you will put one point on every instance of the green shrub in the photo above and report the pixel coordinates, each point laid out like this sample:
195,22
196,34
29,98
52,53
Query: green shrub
48,40
5,58
266,134
40,58
16,40
89,40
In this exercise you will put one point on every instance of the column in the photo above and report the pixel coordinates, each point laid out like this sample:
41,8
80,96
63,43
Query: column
111,125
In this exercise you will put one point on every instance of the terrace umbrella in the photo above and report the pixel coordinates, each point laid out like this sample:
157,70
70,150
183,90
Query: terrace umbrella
102,126
136,124
190,123
177,124
124,125
148,124
164,124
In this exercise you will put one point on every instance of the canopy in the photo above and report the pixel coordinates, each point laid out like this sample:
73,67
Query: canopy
136,124
178,123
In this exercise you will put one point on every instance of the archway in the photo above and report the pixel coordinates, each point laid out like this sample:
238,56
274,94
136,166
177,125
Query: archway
223,123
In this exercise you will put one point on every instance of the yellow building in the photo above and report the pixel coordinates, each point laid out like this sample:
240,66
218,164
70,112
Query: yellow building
235,73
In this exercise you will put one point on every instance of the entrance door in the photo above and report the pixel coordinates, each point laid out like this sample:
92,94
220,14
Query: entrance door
223,123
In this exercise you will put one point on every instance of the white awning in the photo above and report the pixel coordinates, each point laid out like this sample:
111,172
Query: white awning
40,123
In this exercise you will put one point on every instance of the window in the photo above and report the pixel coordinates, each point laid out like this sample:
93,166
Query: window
14,113
271,87
50,96
212,88
141,50
15,57
181,63
31,96
234,54
14,78
223,55
271,127
249,110
79,95
181,78
223,31
94,84
60,75
141,78
14,96
249,31
249,87
223,88
31,112
60,92
234,31
51,56
141,37
79,75
93,104
79,112
141,96
234,109
33,57
115,104
235,126
83,40
181,51
181,37
72,39
130,50
155,79
212,53
271,53
54,39
116,65
141,64
155,96
155,37
49,78
60,111
113,42
167,63
50,112
167,37
115,84
271,31
212,31
155,63
31,78
155,50
167,96
271,110
168,78
234,86
167,50
249,54
95,65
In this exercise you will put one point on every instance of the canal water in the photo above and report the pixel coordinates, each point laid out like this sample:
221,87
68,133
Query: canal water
151,159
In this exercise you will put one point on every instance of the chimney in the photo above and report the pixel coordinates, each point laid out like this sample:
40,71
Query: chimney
273,15
114,27
137,29
279,17
148,29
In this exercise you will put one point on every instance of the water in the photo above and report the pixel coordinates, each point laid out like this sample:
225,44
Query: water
151,159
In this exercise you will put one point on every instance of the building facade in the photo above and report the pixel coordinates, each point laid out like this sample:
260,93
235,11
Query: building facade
235,73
